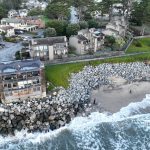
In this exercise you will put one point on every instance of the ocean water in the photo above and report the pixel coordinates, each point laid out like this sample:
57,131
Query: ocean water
128,129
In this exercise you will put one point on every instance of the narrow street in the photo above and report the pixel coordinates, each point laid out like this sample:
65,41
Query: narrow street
8,52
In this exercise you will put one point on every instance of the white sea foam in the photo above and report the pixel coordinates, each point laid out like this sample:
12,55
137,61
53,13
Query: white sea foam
84,129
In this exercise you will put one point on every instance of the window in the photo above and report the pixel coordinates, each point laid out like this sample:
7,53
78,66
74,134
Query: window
5,85
41,48
14,84
37,54
9,85
38,88
45,47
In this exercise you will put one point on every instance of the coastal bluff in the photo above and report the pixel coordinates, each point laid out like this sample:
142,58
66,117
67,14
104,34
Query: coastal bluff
52,112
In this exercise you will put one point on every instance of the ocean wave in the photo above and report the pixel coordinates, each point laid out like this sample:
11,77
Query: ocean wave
127,129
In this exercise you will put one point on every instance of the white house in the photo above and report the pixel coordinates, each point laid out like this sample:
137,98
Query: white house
23,13
98,15
12,13
18,24
8,30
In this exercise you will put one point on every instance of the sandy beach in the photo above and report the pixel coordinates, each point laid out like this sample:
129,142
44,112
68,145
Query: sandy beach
112,99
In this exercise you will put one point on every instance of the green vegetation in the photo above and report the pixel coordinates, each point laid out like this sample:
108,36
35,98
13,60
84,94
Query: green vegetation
50,32
35,12
45,19
139,45
58,75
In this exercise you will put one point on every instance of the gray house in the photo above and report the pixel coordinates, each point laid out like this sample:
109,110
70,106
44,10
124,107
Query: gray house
49,48
87,40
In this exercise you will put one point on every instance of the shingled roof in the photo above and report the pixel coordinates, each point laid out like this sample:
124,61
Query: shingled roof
82,38
19,66
49,40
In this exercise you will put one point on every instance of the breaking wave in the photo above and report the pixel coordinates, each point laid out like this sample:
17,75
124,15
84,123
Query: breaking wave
128,129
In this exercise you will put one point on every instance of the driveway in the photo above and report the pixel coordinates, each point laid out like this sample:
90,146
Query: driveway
8,52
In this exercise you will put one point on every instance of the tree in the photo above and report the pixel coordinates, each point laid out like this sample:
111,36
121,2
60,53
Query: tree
110,41
58,25
2,12
141,13
58,11
83,25
12,4
35,12
50,32
72,29
106,6
93,23
83,6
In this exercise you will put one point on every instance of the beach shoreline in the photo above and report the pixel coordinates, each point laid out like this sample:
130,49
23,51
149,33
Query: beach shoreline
114,98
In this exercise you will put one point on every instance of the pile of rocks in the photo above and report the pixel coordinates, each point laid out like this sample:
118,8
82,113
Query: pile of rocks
53,112
36,115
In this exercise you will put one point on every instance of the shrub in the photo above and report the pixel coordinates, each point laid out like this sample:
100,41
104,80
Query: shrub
137,43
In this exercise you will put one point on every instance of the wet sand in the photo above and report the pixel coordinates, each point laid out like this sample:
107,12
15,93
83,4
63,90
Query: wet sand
112,99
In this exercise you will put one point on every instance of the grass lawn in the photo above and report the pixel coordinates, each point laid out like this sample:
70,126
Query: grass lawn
58,75
45,19
139,45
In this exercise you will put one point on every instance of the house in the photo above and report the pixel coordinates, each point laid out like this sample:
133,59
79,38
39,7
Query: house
22,13
18,24
87,40
17,14
20,80
116,27
49,48
8,30
99,15
12,13
35,20
36,4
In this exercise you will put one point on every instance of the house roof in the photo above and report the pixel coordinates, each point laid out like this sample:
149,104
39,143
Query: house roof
19,66
81,37
12,20
32,18
49,40
5,28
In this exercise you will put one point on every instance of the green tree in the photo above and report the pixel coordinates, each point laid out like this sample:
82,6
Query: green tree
83,6
50,32
58,25
11,4
35,12
141,13
93,23
3,12
83,25
58,11
110,40
72,29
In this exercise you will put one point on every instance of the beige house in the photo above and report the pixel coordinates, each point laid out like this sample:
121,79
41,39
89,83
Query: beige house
8,30
49,48
20,80
87,40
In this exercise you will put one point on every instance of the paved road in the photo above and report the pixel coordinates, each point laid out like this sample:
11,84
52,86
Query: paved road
91,59
8,52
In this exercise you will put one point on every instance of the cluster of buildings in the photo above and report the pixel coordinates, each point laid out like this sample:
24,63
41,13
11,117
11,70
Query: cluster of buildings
30,4
25,78
29,24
